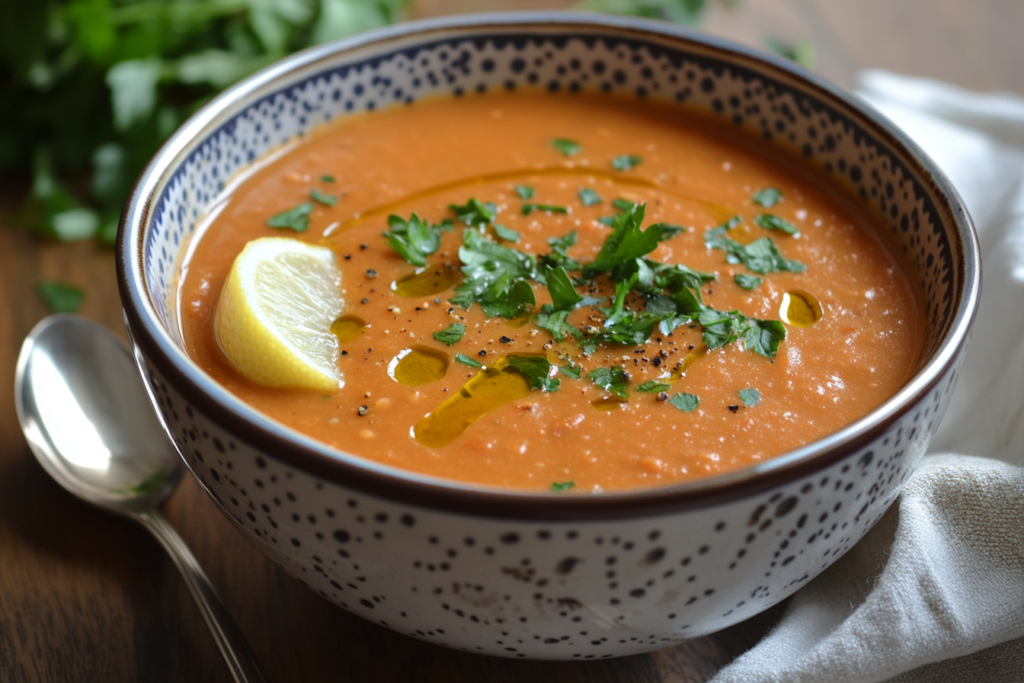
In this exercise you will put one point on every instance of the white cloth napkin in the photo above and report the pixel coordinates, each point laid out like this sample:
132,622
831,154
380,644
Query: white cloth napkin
935,592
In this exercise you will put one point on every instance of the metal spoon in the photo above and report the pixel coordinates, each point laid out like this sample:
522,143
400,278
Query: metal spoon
88,419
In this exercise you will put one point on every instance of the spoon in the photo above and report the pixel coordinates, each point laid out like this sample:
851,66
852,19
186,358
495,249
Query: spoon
87,417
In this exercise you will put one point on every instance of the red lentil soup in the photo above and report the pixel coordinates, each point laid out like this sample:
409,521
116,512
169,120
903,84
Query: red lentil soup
688,401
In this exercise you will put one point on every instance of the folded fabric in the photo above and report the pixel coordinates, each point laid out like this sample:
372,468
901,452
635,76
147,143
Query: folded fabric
935,592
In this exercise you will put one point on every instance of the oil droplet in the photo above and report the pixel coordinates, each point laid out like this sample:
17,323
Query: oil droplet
348,328
418,366
607,403
427,281
800,309
688,360
489,389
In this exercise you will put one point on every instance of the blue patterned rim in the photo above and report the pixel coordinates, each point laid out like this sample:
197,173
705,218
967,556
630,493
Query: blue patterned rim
759,93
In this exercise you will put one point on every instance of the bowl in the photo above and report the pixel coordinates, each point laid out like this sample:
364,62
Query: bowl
519,574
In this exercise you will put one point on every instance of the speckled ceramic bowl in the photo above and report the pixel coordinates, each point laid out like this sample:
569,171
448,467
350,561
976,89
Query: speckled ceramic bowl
526,574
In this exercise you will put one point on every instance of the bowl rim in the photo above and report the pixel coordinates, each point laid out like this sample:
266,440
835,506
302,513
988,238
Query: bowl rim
297,450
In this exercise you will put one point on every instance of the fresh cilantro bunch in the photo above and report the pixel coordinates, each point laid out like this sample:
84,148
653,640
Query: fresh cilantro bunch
89,89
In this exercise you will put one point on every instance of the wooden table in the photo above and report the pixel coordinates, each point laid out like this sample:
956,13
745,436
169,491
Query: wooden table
87,597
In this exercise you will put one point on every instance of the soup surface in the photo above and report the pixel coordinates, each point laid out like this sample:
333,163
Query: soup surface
625,370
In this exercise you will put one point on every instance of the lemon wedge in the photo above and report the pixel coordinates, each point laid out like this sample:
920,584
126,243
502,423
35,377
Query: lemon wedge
275,313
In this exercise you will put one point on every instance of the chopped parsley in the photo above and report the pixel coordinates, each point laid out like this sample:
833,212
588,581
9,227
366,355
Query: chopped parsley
507,234
685,402
613,380
536,369
564,296
624,162
296,219
496,277
529,208
524,191
328,199
722,328
589,197
747,282
451,334
654,387
61,297
572,371
475,213
626,244
768,197
559,256
566,146
414,239
327,178
623,204
465,360
760,256
750,397
770,221
559,486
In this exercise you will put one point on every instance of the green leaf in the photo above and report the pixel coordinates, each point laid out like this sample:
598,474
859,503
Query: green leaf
507,234
296,219
529,208
61,297
625,162
750,397
560,486
466,360
475,213
770,221
94,31
768,197
624,204
524,191
74,224
328,199
572,371
589,197
555,323
217,68
669,230
801,51
559,256
564,296
626,244
343,18
536,369
760,256
133,93
654,387
566,146
327,178
451,334
747,282
613,380
496,276
676,11
414,239
685,402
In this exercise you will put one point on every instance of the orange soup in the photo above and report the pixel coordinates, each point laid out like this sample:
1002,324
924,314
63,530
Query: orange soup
568,293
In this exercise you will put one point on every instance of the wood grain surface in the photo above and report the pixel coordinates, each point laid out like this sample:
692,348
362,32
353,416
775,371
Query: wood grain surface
88,597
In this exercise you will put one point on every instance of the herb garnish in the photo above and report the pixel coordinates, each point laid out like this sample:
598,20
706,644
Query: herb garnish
768,197
296,219
414,239
495,276
328,199
451,334
747,282
536,369
572,371
654,386
624,162
589,197
566,146
475,213
327,178
613,380
770,221
507,234
559,486
524,191
760,256
466,360
529,208
750,397
61,297
685,402
559,255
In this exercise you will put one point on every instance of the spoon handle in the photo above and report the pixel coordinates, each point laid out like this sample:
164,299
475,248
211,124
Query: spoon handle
230,640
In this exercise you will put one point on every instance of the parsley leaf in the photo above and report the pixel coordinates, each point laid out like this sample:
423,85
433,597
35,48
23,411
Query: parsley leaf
555,322
770,221
559,256
685,402
572,371
623,204
61,297
768,197
414,239
760,256
327,178
559,486
529,208
495,276
475,213
536,369
669,229
760,336
524,191
750,397
296,219
589,197
626,244
328,199
507,234
451,334
466,360
566,146
564,296
654,387
613,379
747,282
624,162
